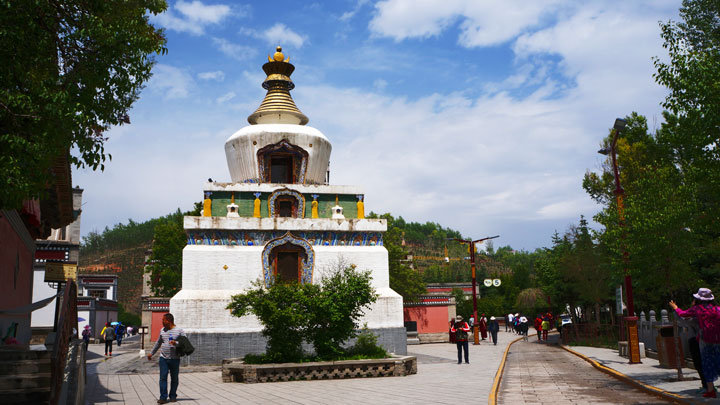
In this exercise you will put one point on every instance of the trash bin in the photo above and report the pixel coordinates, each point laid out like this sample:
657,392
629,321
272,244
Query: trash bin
666,347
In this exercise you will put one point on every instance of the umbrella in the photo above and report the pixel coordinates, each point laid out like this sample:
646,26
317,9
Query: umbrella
114,323
81,319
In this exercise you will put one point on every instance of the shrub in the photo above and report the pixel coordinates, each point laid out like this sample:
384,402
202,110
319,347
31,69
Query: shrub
336,310
327,315
366,346
282,310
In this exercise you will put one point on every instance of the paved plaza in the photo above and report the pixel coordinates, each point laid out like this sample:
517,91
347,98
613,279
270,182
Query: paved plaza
534,373
440,380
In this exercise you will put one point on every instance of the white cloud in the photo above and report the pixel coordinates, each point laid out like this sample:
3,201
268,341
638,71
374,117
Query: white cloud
508,161
217,75
171,82
481,22
225,97
380,84
348,15
235,51
201,13
191,17
278,34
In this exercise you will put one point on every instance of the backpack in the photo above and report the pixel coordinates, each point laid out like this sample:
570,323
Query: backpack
460,334
183,347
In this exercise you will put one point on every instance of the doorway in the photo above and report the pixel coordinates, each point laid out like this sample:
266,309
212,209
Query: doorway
281,169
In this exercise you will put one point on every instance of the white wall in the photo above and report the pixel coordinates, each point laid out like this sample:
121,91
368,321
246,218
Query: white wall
43,317
207,286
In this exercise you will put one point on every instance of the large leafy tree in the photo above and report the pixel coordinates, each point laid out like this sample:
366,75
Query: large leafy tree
70,70
659,210
693,77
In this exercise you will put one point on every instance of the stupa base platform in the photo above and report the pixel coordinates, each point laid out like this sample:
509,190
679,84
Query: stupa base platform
213,347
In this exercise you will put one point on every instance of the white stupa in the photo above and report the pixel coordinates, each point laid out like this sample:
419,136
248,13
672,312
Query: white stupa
277,217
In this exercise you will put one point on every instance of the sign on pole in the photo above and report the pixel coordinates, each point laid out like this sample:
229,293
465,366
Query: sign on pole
488,282
496,282
618,301
60,272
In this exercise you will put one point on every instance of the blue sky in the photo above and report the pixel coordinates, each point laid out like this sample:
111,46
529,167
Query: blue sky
482,116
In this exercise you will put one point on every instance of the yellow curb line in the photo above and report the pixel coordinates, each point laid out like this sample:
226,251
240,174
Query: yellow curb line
492,399
622,377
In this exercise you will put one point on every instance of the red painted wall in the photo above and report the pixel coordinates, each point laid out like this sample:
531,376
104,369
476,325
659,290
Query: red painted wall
15,285
430,319
156,325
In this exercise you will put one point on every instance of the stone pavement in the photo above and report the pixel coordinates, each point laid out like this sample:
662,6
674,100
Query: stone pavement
544,373
650,373
126,378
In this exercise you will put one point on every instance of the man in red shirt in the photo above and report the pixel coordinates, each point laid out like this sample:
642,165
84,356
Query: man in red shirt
461,329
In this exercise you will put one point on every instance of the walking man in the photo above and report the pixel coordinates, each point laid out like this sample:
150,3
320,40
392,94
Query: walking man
460,329
493,328
108,333
169,360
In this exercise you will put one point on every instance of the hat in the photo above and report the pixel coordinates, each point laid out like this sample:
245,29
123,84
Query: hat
704,294
492,318
459,318
87,326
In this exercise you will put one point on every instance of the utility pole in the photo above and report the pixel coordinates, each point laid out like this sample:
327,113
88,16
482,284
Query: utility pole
471,244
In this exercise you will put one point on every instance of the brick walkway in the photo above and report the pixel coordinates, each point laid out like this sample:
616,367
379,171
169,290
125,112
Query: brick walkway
439,381
539,373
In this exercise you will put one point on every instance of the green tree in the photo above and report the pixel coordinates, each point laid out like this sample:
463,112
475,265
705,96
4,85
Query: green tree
70,70
283,311
403,279
336,309
584,267
327,314
165,266
463,304
692,76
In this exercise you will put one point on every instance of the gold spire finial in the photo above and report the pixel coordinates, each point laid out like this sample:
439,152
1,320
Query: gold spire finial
278,106
278,56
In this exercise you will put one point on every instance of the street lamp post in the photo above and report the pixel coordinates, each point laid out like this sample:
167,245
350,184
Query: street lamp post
471,244
631,319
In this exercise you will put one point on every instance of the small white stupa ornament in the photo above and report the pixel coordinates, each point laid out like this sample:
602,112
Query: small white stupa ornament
337,210
232,208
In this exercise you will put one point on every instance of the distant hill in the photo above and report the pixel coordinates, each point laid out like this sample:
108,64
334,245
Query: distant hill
121,251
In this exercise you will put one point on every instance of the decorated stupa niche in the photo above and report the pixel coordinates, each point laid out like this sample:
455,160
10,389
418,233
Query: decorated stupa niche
277,218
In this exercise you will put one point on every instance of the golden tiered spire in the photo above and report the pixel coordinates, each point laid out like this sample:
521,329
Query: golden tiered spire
278,106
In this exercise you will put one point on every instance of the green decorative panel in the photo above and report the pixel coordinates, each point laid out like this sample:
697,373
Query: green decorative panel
246,204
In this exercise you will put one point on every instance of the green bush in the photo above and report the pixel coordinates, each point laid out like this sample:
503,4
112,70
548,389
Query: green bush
366,346
325,315
282,310
336,310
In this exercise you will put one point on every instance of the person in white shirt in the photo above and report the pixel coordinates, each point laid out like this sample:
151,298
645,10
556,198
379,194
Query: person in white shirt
169,360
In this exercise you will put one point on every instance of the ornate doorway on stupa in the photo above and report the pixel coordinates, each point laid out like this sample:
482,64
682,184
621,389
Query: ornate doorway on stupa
288,262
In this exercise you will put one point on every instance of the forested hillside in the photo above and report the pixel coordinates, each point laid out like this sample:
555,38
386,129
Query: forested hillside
121,251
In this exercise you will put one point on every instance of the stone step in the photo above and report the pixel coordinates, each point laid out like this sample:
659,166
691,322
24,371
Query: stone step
25,396
412,335
413,341
24,381
13,367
